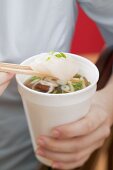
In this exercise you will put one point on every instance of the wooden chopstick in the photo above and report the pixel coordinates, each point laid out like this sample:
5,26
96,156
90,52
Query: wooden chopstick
17,66
20,69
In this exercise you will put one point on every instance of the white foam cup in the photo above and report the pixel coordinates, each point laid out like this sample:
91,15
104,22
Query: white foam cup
46,111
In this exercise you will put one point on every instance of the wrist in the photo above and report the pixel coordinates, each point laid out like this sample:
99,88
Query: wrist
102,99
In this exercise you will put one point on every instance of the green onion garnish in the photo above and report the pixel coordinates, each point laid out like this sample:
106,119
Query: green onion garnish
34,78
78,85
60,55
63,55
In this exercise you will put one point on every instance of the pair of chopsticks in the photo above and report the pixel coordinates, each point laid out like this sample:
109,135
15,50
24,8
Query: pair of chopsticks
19,69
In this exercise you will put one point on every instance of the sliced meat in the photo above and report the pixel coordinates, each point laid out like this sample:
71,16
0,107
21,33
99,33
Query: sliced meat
42,88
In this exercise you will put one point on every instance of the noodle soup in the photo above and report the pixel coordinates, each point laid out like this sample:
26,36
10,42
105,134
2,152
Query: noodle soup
61,74
55,86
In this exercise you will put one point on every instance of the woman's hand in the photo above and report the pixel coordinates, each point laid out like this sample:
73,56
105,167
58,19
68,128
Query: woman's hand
4,81
72,144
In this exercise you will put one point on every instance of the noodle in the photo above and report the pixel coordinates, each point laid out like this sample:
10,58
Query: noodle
54,86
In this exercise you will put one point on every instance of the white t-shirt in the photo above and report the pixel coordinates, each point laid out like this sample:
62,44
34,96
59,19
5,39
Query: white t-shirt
28,27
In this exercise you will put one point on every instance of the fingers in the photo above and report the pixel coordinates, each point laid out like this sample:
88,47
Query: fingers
74,144
72,165
5,77
62,161
68,157
80,158
58,145
92,121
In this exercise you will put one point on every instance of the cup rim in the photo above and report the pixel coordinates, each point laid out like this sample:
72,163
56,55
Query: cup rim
62,94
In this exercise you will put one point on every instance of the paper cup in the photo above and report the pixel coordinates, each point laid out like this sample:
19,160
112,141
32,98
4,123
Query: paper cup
46,111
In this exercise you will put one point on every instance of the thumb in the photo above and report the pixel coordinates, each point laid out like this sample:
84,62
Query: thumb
4,77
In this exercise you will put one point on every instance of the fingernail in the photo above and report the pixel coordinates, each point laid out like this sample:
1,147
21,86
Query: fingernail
41,142
40,152
56,133
55,165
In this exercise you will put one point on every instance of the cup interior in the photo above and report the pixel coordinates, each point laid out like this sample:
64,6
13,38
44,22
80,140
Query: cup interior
86,68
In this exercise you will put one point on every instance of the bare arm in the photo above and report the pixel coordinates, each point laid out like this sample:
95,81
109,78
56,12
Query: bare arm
104,98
